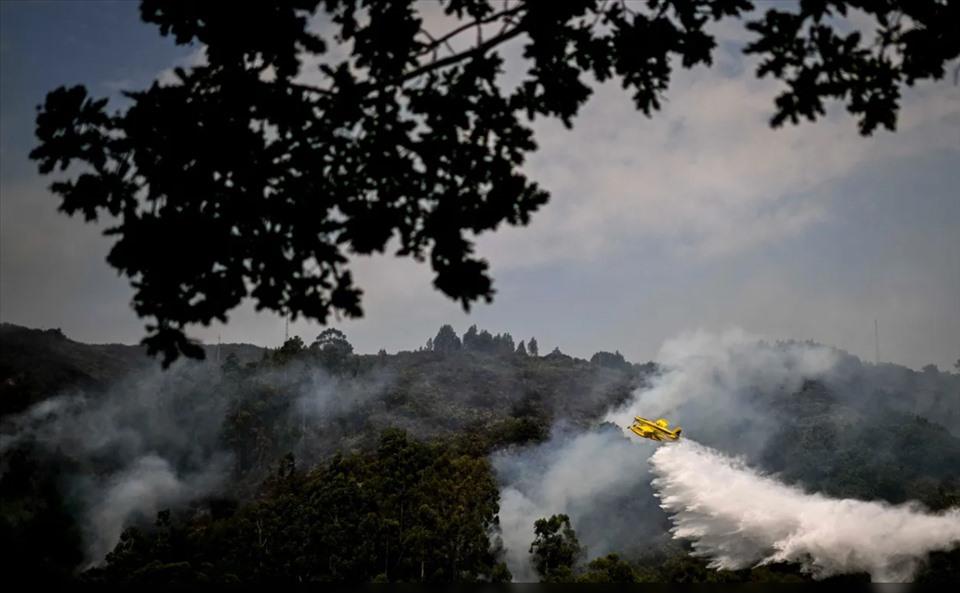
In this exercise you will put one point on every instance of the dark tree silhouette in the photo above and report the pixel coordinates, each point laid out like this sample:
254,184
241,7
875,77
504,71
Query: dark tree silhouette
471,339
446,340
293,345
611,360
256,176
231,366
332,339
485,341
503,344
290,349
332,349
533,347
608,569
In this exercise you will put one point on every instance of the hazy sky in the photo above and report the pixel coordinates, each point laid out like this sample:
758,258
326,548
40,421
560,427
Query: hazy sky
702,217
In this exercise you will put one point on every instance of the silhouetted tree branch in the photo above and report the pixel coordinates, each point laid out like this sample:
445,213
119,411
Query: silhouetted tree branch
251,176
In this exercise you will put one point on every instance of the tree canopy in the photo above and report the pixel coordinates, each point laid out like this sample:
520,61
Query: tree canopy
259,172
555,548
446,341
367,502
404,512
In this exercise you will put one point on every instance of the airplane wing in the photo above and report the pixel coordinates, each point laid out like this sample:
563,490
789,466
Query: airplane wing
655,431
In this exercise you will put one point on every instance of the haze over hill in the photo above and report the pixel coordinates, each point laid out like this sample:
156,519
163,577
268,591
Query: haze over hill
107,440
737,216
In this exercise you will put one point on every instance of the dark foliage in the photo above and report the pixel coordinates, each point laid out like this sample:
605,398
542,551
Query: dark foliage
40,534
405,512
369,502
447,341
37,364
257,174
611,360
555,548
830,447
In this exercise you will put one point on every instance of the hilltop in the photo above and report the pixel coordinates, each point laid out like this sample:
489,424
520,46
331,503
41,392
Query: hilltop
277,439
38,363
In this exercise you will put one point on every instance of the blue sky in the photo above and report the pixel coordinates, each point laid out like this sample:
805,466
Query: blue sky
700,218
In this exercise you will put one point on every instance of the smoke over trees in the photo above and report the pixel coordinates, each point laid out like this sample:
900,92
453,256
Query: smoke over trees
433,466
405,512
822,420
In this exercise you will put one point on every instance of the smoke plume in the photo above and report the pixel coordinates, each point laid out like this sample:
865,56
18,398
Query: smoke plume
738,518
749,397
137,492
711,383
150,442
154,440
598,478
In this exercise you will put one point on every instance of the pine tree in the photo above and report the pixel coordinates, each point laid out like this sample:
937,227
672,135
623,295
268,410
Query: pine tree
446,341
470,341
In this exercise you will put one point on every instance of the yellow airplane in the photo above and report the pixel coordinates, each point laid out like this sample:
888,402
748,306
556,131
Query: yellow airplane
655,431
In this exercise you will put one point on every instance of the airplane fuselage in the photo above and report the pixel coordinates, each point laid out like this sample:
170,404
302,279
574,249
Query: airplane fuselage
658,430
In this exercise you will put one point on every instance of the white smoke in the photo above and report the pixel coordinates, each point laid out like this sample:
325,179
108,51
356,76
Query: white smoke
709,381
148,443
728,390
152,441
593,477
588,476
738,518
139,492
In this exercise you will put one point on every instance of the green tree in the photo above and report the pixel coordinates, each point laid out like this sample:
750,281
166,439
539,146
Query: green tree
334,340
332,349
555,549
446,340
533,347
231,366
521,349
503,344
407,511
470,339
257,176
556,355
609,360
485,341
608,569
40,538
290,349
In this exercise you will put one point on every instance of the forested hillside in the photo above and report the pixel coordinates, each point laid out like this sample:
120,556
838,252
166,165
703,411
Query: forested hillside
313,463
37,364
